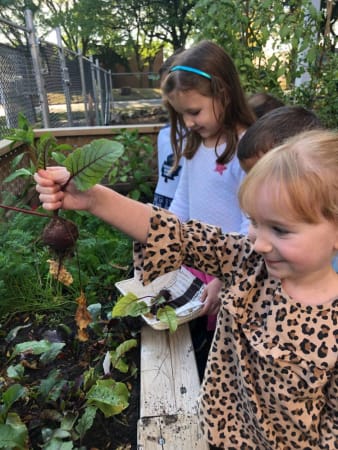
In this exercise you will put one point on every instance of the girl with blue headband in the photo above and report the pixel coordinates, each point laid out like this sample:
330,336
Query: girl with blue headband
209,114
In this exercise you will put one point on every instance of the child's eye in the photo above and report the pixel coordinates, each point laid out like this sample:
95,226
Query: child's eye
280,230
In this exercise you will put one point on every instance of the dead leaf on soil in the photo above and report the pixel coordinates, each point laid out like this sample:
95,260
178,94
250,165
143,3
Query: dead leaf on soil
59,272
82,318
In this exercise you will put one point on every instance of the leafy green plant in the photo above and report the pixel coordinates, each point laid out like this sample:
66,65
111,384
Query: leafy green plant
13,432
131,305
95,392
135,166
38,152
86,166
273,44
48,350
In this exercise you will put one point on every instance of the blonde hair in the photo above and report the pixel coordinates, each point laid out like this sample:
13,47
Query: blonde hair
301,175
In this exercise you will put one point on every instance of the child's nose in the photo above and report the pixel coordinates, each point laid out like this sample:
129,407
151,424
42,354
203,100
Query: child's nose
261,244
189,123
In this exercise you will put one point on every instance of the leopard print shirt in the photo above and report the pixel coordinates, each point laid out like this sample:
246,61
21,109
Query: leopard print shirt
271,380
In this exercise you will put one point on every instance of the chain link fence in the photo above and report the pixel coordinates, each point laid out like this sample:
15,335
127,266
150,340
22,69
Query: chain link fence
51,85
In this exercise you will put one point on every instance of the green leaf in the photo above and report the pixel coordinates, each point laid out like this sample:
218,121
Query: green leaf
125,347
86,421
89,378
51,386
168,315
119,364
48,350
89,164
12,394
109,396
18,173
17,160
59,158
13,434
129,305
16,372
117,354
68,421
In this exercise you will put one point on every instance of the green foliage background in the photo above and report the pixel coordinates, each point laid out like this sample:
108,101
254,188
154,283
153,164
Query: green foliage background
299,43
103,255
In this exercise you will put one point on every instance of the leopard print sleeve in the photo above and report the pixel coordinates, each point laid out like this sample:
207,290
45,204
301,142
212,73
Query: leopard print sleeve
171,244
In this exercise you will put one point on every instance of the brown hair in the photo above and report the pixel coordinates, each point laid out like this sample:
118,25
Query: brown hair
301,175
224,87
274,128
263,102
164,69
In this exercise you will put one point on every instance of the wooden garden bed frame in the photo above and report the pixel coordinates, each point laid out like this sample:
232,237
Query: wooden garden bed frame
169,392
169,376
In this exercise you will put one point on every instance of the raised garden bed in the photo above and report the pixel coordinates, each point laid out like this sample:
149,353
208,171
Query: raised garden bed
58,372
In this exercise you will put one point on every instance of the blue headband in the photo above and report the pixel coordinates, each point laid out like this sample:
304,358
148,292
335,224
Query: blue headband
191,69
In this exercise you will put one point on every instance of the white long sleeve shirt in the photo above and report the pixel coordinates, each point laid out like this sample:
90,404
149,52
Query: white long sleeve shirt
208,192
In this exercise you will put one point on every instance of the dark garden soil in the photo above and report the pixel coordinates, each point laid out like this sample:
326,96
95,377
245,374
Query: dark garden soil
116,432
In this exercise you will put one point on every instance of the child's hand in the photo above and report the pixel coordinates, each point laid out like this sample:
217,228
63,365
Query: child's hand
49,185
210,299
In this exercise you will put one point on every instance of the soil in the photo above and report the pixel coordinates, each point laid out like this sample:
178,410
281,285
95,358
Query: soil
117,432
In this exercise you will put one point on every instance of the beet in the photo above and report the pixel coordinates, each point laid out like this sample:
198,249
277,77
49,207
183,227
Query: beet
60,235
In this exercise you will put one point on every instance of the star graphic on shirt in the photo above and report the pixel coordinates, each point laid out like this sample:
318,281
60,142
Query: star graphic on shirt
220,168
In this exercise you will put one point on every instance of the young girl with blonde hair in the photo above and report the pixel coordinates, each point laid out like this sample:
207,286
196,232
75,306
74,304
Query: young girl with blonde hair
271,380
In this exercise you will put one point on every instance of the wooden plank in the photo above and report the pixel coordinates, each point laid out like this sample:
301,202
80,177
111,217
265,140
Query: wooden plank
157,394
7,146
105,130
169,376
178,432
185,372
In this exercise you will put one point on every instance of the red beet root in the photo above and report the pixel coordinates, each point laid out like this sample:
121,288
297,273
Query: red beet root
60,235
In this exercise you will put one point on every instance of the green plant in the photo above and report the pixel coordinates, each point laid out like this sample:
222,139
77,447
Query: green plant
103,254
25,283
273,44
131,305
38,152
135,165
13,432
317,94
86,167
65,407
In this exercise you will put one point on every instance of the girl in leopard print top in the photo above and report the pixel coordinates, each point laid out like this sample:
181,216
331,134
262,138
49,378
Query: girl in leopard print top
271,380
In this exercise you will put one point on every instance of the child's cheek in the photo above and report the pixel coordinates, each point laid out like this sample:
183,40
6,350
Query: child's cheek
252,234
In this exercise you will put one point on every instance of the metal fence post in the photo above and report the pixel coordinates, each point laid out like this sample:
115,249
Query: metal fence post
83,86
35,53
92,65
106,103
100,96
65,77
111,97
